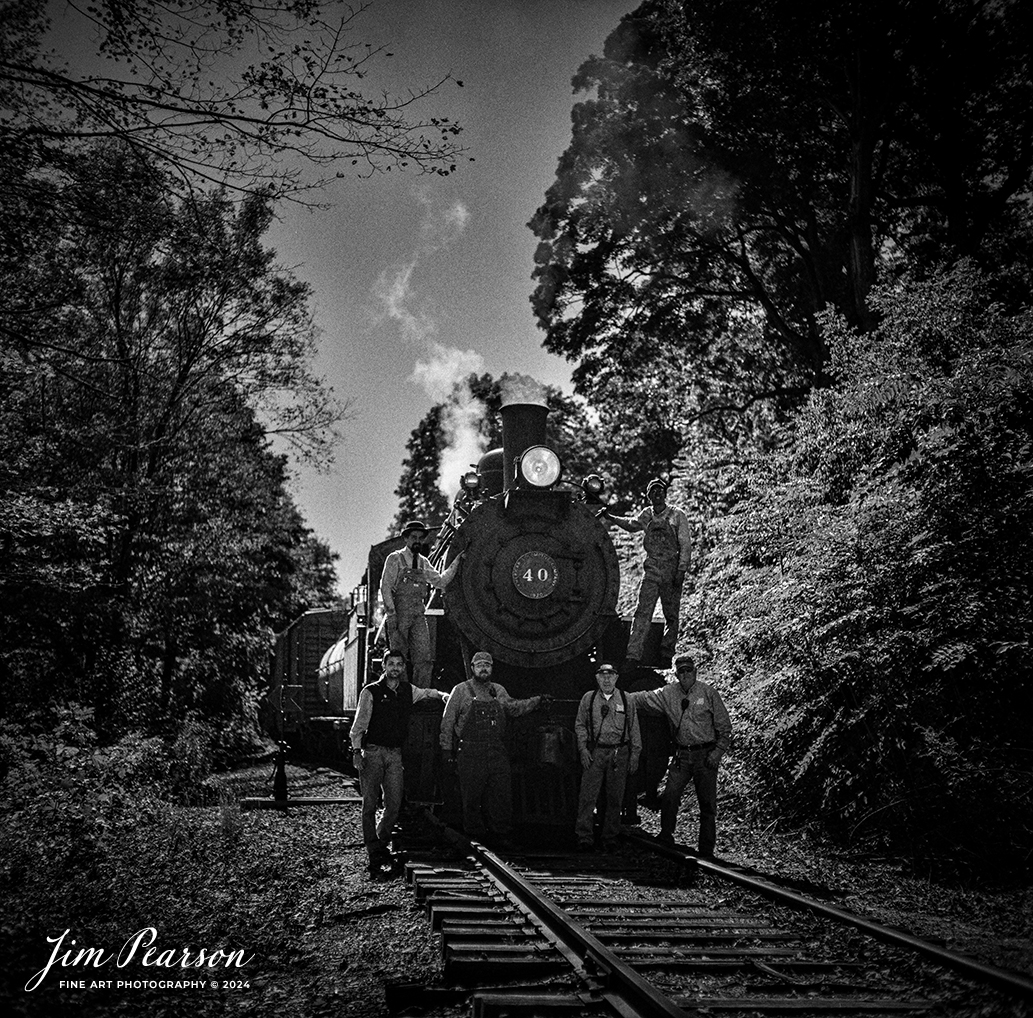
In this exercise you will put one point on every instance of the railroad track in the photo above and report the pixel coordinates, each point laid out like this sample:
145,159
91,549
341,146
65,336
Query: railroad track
553,933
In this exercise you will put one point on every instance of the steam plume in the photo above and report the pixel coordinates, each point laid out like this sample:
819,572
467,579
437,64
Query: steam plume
522,389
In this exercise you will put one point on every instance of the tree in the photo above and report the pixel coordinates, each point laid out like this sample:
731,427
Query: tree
877,573
741,168
155,348
232,92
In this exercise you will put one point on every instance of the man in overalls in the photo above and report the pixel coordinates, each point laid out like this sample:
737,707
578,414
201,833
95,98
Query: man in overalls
668,543
404,585
472,730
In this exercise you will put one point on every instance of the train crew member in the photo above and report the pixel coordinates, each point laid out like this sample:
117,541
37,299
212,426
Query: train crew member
609,745
473,724
702,735
668,543
377,735
404,585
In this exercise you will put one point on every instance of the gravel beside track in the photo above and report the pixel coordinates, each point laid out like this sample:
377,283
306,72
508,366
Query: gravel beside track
371,934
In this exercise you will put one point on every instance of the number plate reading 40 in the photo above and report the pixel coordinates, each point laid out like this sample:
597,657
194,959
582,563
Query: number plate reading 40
535,574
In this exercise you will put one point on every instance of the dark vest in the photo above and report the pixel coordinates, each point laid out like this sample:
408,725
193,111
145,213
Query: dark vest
389,722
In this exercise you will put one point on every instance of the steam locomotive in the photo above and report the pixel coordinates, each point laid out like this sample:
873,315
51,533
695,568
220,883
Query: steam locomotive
537,588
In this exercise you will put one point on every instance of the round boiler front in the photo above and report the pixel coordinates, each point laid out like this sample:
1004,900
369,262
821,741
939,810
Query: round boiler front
539,582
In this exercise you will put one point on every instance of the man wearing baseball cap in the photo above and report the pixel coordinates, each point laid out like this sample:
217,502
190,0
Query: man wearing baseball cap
404,585
609,746
667,541
472,730
702,735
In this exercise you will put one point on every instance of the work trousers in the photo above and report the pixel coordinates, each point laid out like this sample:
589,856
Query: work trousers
381,769
407,634
609,771
691,765
485,785
656,585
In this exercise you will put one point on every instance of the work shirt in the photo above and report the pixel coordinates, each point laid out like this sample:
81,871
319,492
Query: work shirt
398,561
704,718
618,727
364,712
460,703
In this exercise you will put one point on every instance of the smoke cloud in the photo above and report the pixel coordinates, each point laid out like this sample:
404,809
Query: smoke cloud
440,370
522,389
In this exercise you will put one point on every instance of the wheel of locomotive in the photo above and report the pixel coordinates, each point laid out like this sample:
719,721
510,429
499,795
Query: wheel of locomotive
539,582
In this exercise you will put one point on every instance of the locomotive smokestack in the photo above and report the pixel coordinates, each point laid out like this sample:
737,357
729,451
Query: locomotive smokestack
524,411
523,425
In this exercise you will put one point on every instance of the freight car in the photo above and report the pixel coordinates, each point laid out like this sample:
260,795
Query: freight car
537,588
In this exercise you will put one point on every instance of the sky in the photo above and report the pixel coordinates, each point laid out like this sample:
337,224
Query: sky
417,279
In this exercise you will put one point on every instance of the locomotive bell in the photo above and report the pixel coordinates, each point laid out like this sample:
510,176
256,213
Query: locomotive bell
523,426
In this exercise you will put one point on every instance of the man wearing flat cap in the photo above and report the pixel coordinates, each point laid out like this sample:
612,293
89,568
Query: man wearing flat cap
472,730
702,735
667,541
404,585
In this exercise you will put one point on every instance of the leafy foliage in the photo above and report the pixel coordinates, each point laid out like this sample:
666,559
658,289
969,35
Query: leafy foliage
250,96
870,595
737,169
150,350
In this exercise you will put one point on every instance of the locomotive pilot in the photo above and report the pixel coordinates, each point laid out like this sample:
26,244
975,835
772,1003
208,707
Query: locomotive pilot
472,730
404,585
702,735
668,543
377,735
609,745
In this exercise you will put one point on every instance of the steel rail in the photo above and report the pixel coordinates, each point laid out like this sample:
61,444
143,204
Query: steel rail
1005,979
623,986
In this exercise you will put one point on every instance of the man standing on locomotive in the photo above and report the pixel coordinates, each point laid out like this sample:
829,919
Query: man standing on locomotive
474,723
609,745
404,585
668,544
702,734
377,735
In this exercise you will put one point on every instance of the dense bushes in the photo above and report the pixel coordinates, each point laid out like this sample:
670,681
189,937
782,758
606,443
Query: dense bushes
870,595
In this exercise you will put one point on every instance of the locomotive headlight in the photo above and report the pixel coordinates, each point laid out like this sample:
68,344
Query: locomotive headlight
470,481
540,466
593,484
